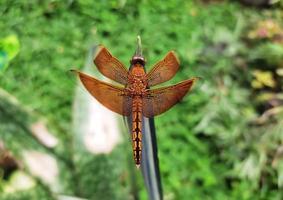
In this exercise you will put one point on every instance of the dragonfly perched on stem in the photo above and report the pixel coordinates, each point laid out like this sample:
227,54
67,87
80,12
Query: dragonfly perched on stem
135,98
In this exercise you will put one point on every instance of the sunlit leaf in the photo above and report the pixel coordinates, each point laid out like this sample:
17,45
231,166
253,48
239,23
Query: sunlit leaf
279,71
263,78
19,181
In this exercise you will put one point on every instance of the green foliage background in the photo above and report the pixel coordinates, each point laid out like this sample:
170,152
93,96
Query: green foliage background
218,142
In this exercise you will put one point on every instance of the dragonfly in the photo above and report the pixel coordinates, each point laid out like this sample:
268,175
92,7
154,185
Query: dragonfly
134,97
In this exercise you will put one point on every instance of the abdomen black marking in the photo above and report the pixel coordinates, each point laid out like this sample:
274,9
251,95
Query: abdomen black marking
137,130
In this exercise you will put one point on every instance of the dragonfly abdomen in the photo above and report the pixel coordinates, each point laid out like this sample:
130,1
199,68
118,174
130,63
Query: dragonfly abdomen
137,129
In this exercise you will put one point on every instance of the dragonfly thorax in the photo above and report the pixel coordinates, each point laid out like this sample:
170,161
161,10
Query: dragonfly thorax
137,80
137,86
137,70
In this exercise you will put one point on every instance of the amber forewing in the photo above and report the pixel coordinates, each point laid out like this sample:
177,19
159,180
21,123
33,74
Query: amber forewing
108,95
164,70
160,100
110,66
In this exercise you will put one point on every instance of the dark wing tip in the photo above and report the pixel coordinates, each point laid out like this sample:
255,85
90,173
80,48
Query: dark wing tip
198,78
174,54
100,48
74,71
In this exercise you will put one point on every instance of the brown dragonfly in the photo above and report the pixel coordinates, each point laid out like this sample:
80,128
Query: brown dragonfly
135,98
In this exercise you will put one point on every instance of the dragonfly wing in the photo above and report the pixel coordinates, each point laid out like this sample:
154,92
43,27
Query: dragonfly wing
164,70
110,66
160,100
108,95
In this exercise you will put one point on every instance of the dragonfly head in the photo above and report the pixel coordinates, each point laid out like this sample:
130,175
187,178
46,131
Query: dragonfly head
138,57
137,60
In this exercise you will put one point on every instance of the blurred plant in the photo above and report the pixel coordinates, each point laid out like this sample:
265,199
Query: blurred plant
266,61
267,29
261,3
259,144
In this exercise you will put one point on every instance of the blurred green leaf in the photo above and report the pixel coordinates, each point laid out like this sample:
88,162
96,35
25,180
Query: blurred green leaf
270,52
9,48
